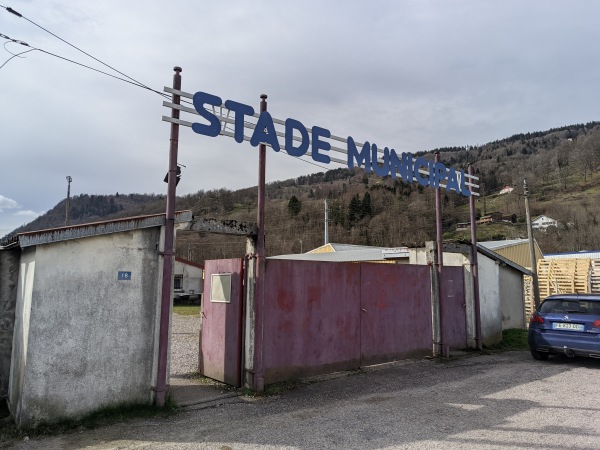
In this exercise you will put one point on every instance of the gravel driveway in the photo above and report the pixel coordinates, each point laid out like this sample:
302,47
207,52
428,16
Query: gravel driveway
185,340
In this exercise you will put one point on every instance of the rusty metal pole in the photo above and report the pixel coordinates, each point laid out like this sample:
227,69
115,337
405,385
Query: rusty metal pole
258,382
475,266
168,251
440,258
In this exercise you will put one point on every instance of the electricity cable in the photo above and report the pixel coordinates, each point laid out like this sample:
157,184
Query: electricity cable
133,80
76,63
129,79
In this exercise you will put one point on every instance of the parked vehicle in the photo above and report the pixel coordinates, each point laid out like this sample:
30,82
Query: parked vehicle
566,324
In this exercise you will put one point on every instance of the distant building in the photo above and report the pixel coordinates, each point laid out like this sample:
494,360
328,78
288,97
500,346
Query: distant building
490,218
506,190
187,281
352,253
543,222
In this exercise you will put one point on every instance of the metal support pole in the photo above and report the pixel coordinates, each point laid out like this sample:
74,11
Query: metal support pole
168,251
475,267
69,179
536,289
258,380
326,223
440,259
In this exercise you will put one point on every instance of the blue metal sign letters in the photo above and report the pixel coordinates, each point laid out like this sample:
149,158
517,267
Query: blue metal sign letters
297,143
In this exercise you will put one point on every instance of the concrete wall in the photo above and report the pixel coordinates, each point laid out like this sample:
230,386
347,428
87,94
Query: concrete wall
83,339
513,298
9,274
490,301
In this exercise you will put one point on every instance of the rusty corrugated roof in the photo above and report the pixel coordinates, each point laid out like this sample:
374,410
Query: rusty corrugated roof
51,235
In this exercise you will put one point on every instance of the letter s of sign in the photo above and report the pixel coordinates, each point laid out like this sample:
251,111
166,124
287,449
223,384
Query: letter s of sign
214,127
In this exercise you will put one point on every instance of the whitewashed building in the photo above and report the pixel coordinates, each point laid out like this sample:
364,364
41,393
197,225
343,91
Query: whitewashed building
542,223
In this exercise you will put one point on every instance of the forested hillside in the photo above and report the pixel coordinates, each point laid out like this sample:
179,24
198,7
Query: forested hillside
561,167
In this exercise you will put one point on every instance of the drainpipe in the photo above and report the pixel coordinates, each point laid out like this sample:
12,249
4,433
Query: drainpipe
168,251
475,266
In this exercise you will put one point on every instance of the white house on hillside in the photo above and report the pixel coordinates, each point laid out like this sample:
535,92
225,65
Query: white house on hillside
543,222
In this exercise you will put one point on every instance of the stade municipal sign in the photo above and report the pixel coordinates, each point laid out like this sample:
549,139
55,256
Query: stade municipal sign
297,140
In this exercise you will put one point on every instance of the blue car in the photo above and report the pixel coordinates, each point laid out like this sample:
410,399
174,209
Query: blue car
567,324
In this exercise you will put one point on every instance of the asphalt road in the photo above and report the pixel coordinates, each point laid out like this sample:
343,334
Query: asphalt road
501,401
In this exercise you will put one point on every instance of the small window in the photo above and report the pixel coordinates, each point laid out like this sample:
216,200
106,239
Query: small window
178,282
220,288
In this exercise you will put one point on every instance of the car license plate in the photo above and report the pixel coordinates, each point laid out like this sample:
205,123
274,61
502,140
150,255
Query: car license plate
567,326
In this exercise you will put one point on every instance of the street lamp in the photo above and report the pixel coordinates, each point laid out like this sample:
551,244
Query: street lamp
69,179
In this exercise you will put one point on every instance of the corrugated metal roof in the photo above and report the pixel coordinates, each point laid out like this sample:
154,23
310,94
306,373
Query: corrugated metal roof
496,257
352,247
363,254
592,254
331,247
494,245
48,236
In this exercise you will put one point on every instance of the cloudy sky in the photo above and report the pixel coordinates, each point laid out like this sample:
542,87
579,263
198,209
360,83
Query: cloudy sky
412,75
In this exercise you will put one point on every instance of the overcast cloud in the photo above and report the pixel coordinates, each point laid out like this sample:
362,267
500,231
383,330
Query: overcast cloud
412,75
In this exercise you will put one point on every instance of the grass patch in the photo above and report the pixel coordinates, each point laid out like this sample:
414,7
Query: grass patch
201,379
513,339
9,432
187,310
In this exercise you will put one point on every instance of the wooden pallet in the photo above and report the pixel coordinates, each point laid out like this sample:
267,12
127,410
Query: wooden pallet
595,276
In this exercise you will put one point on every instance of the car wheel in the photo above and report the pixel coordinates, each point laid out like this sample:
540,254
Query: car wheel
540,356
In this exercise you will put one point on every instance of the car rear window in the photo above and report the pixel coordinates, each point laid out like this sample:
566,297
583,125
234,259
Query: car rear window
570,306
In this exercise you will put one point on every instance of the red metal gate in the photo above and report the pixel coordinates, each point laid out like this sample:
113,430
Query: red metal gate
454,313
324,317
221,336
395,312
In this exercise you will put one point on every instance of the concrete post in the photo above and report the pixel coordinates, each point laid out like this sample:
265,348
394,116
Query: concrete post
9,279
431,256
250,314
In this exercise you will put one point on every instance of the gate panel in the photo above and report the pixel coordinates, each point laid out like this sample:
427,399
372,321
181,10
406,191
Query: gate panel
312,314
221,334
454,320
395,312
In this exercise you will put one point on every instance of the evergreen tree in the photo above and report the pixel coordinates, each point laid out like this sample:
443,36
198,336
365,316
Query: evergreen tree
365,207
294,206
354,210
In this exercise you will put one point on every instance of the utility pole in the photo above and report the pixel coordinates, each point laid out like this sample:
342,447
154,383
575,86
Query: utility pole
69,179
168,251
326,223
536,289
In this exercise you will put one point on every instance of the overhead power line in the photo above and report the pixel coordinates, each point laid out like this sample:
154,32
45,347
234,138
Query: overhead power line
127,78
16,13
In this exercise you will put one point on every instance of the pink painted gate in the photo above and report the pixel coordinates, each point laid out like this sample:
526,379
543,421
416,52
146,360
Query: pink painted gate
322,317
454,312
221,335
395,312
